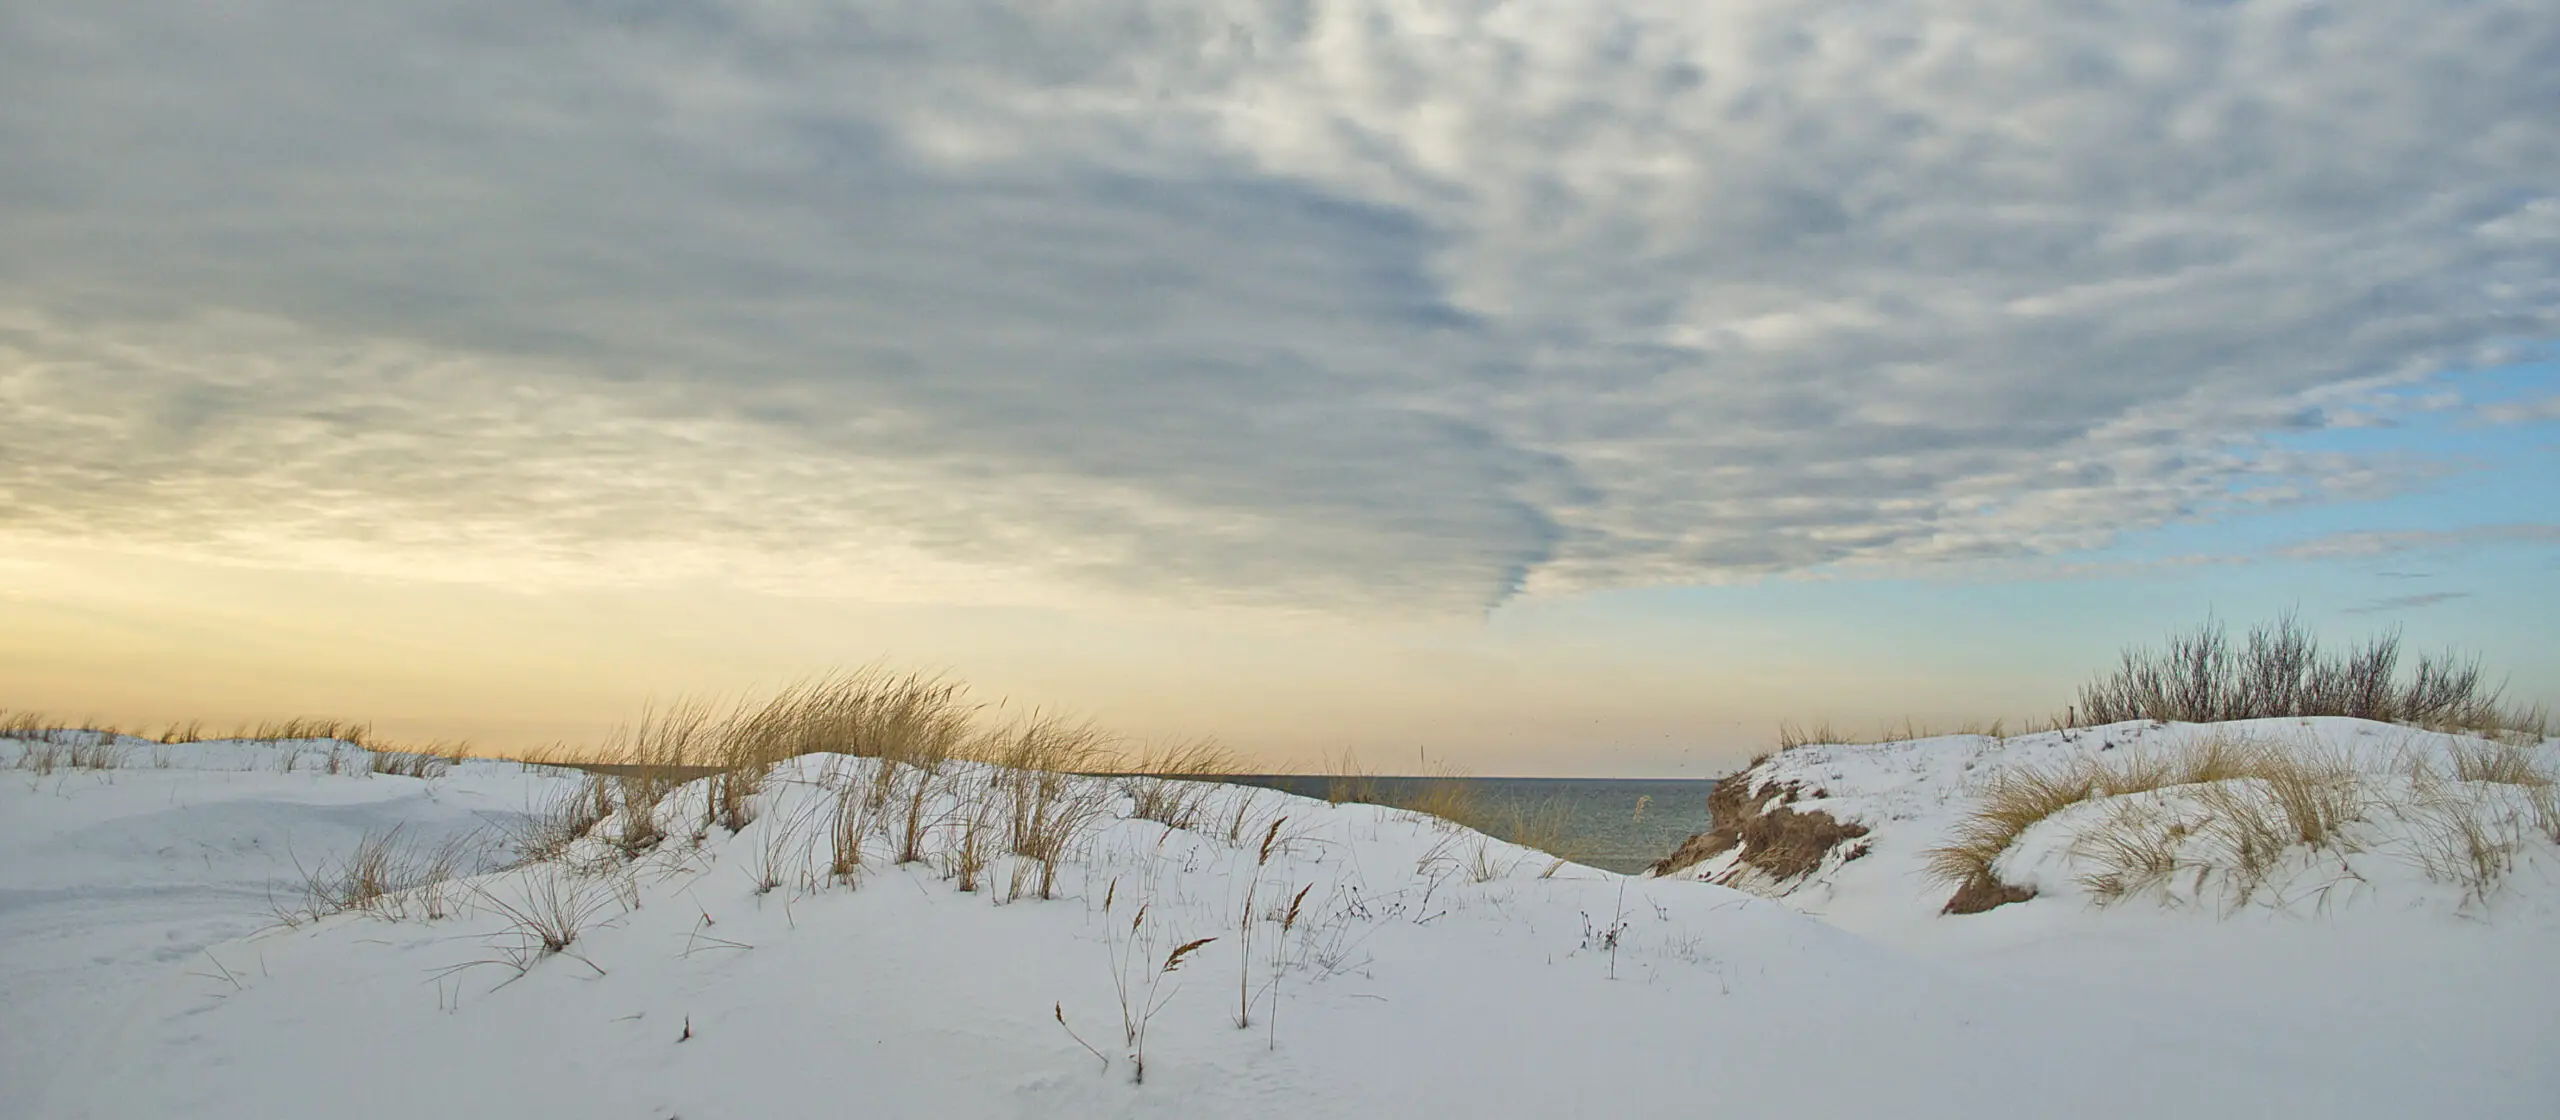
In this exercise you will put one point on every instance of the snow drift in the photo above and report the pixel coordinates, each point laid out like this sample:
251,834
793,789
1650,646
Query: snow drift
161,954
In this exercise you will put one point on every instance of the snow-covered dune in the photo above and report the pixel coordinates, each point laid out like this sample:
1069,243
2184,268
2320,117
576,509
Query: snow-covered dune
2411,947
116,883
1426,970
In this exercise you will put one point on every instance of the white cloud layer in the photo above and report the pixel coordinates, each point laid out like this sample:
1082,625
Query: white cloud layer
1352,302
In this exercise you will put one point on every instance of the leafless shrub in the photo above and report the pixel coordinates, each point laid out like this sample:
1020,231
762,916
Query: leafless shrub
2278,670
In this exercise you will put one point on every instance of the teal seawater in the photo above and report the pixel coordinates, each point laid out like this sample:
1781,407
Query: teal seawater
1622,824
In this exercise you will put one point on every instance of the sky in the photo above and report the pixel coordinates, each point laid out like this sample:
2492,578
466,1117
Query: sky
1541,387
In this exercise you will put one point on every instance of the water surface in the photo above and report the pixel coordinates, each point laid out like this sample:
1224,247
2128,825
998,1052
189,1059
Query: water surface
1622,824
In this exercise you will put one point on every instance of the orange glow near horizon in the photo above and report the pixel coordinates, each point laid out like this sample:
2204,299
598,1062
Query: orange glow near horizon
145,642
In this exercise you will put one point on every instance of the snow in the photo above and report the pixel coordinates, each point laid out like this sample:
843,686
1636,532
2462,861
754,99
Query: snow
1433,972
2368,967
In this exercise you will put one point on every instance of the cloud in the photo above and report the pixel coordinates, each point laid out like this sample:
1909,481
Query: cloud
2539,411
2396,543
2408,602
1355,303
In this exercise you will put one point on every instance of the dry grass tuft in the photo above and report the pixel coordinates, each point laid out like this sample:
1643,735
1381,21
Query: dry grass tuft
549,910
1047,803
916,719
546,832
1791,736
847,828
407,765
2238,815
2013,802
44,747
1347,782
2472,824
23,725
2502,763
384,875
1447,799
911,798
304,729
668,748
1545,826
2259,799
1165,782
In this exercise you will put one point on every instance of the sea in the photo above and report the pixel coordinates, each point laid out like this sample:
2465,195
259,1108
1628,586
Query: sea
1620,824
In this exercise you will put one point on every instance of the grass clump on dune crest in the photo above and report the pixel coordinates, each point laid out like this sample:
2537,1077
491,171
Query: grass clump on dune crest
2236,814
1446,798
306,729
2262,797
1047,800
1346,781
1168,783
2014,801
